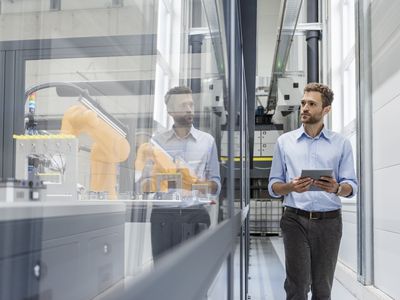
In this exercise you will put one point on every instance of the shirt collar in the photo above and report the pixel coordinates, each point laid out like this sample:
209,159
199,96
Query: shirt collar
194,133
325,133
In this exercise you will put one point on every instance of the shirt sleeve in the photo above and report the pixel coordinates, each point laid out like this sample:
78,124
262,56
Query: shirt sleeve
346,169
278,170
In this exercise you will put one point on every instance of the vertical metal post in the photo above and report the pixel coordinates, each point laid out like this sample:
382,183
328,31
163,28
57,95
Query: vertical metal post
248,21
243,137
364,142
312,39
55,5
246,190
2,101
232,15
9,115
196,42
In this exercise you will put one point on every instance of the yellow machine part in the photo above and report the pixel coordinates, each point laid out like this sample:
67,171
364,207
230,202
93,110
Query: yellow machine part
108,148
162,164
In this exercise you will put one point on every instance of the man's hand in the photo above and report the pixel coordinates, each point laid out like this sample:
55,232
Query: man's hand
328,184
298,184
301,184
212,185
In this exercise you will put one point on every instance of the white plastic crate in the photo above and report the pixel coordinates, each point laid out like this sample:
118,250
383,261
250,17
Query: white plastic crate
265,216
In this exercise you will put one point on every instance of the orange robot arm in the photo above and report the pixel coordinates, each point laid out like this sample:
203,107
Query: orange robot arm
108,149
162,164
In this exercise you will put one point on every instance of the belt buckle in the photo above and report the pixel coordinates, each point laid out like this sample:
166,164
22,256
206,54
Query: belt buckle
311,216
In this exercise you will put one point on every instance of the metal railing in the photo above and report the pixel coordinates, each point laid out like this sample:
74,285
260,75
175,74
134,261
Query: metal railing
188,272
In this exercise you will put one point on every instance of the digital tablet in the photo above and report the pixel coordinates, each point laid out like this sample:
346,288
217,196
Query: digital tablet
316,174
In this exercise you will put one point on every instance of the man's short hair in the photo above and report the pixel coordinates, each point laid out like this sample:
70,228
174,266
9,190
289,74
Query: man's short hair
178,90
324,90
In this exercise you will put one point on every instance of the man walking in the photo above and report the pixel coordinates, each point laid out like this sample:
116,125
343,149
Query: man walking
312,223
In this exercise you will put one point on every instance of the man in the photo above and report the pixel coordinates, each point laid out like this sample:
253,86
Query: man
312,224
193,154
183,148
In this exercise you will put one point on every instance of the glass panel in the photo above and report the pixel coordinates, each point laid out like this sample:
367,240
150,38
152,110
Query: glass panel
120,161
35,19
119,90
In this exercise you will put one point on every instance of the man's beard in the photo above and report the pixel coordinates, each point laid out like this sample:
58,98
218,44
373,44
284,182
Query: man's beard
311,119
183,121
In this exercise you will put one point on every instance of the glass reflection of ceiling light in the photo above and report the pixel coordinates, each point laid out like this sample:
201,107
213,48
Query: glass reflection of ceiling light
205,31
102,115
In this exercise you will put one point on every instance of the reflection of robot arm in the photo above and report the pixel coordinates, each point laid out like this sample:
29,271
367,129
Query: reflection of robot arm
148,163
162,163
108,148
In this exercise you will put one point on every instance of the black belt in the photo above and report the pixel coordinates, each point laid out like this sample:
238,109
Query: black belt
314,214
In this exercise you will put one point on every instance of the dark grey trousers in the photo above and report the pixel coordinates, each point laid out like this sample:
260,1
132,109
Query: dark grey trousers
311,251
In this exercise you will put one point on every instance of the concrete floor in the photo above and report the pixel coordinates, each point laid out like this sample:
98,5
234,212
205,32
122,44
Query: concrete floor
267,272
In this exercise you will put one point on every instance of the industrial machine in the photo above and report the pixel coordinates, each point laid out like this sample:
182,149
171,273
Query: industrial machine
50,158
12,190
60,250
109,146
290,91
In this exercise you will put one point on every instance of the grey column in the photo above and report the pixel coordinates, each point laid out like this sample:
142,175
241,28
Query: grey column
312,39
233,49
196,41
365,140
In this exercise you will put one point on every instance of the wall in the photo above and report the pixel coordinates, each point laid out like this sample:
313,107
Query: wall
385,40
343,117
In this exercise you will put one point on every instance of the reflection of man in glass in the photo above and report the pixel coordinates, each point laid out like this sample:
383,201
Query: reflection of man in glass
192,155
183,148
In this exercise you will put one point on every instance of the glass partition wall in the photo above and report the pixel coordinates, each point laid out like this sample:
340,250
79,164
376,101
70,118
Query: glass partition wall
111,137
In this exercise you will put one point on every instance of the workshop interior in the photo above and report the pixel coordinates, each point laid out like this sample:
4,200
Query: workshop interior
102,198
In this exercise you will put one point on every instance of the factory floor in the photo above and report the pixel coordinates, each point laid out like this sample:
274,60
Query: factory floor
267,271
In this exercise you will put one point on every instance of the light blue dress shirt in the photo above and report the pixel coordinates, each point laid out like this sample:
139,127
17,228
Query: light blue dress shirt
197,150
296,150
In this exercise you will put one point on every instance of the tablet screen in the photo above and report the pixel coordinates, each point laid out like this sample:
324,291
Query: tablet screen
316,174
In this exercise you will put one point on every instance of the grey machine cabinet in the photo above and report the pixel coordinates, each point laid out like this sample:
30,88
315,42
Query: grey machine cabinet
61,257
